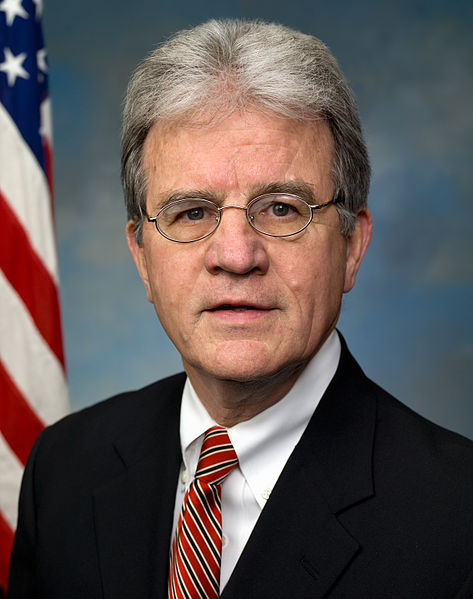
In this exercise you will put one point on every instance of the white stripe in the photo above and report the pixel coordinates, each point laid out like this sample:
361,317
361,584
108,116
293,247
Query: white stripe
46,129
32,365
185,532
190,569
11,471
24,185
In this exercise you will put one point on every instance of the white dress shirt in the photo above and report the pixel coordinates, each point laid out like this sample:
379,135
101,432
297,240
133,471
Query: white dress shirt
263,445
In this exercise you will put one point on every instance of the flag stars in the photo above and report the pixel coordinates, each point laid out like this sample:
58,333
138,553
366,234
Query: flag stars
41,60
12,9
42,64
13,66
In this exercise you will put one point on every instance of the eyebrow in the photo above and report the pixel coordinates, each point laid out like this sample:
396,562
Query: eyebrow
184,194
299,188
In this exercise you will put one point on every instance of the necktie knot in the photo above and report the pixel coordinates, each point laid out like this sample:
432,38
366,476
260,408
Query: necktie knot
217,457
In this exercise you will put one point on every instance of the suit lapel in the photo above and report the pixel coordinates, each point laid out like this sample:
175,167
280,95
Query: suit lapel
298,547
134,511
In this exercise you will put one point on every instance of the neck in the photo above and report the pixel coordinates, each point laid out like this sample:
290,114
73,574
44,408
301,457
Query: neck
229,402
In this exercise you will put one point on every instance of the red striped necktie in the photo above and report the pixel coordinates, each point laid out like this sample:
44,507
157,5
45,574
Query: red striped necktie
196,551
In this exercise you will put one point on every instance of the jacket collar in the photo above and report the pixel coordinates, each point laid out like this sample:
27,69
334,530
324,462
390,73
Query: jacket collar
298,542
133,511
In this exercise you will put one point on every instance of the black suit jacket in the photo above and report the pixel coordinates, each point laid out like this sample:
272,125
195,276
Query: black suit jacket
374,502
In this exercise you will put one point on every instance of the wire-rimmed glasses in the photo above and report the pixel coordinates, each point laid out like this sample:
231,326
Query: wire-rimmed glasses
273,214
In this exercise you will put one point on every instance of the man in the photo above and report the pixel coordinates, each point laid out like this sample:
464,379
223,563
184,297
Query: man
246,176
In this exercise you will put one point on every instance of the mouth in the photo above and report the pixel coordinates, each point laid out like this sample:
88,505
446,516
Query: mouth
238,314
235,308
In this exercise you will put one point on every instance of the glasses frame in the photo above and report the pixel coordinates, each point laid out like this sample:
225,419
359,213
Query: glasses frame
220,209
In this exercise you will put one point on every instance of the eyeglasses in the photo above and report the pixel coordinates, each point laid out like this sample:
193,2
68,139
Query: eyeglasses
273,214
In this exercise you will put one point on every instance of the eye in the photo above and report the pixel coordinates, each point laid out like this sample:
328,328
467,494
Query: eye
197,213
280,209
277,207
187,212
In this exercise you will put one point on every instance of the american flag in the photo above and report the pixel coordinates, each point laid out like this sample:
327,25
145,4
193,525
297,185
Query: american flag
32,378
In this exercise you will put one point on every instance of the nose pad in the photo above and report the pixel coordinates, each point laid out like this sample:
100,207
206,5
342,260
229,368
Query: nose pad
235,221
223,208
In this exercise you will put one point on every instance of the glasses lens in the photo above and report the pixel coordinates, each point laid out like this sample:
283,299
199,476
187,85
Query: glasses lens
188,220
279,214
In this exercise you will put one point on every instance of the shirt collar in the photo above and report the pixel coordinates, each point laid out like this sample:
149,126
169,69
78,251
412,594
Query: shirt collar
264,443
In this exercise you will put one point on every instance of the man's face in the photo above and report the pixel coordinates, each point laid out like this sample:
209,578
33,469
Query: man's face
240,305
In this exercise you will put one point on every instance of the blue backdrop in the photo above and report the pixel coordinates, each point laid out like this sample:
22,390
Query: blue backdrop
408,320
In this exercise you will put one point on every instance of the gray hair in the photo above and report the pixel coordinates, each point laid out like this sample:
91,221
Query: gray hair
224,66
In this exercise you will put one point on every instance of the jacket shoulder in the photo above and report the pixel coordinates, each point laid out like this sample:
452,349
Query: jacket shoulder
126,407
419,461
403,428
409,425
88,436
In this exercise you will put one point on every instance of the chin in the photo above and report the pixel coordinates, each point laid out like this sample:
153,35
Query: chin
246,373
243,361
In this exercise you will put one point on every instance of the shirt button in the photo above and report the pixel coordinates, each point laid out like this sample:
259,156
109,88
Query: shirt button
184,477
224,540
265,494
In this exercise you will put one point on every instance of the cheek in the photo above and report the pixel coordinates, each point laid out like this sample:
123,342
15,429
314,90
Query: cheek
172,279
316,275
159,274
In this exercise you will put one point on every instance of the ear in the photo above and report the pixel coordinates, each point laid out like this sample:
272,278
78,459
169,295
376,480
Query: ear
357,245
138,255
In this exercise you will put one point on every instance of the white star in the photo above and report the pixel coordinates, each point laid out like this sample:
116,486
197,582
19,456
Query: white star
12,9
13,67
39,8
41,60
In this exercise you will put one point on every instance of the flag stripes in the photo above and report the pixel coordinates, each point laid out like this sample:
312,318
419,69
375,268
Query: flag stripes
11,470
6,541
19,423
27,358
32,374
25,186
194,571
32,282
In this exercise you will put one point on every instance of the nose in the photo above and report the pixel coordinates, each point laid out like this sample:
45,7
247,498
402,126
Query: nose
235,247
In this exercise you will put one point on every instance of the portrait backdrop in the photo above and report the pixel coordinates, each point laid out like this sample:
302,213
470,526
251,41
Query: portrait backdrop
408,320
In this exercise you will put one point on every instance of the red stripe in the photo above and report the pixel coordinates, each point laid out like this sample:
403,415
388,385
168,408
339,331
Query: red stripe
192,531
19,424
6,542
29,277
197,545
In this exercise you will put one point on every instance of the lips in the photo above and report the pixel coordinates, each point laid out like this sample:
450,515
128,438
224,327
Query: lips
235,308
238,314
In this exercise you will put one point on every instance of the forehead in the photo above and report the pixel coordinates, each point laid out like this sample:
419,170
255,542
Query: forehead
237,154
